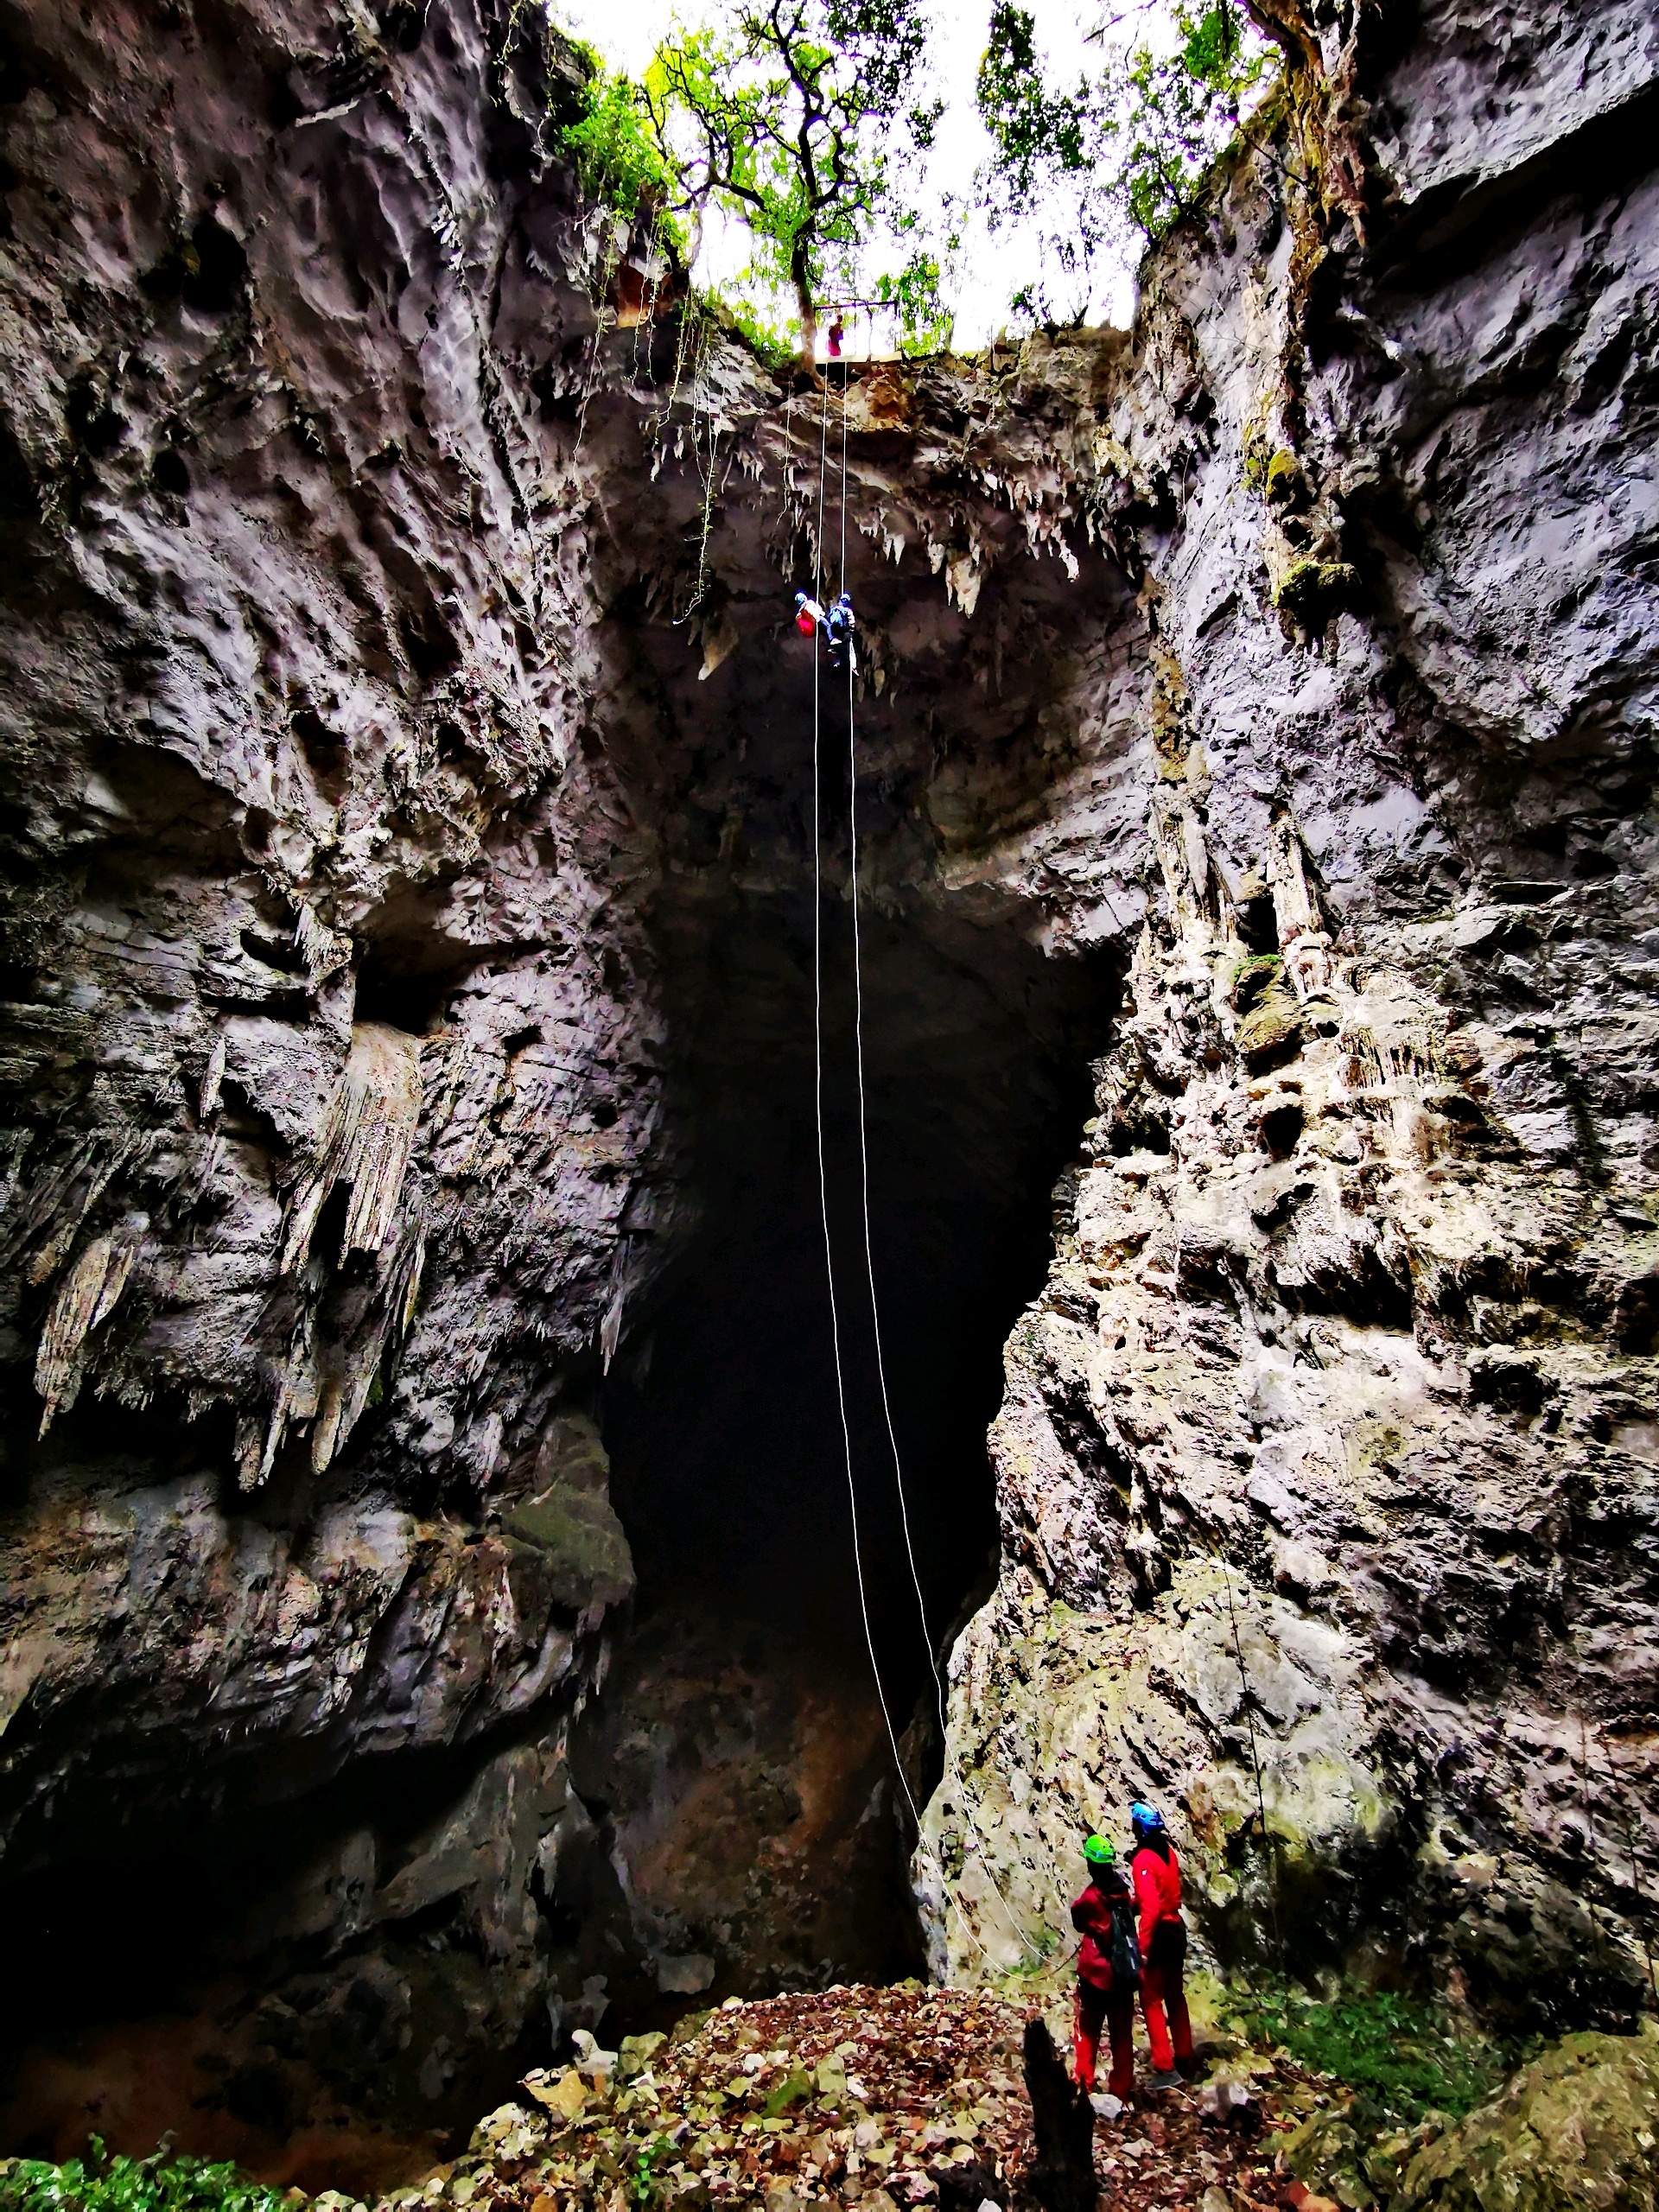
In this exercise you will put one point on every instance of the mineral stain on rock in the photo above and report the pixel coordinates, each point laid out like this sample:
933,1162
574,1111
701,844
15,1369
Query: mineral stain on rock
423,1501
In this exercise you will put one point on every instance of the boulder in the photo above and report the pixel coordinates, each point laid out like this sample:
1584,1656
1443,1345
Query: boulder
1578,2128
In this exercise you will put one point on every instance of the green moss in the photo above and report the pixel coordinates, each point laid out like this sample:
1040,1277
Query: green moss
1312,590
581,1542
1284,483
1040,1967
157,2183
1258,444
1252,977
1272,1033
1353,2153
1575,2127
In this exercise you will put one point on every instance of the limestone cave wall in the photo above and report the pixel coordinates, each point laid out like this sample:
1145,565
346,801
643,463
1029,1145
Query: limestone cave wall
1326,1460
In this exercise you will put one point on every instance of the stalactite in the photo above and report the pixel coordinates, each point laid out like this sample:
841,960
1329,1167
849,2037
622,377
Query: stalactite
352,1364
367,1141
1303,937
86,1294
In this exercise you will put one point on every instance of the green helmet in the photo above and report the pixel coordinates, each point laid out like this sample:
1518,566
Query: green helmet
1098,1852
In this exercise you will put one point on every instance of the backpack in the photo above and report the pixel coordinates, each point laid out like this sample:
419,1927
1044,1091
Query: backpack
1124,1952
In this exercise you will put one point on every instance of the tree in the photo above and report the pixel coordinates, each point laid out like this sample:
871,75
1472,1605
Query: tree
1115,156
786,118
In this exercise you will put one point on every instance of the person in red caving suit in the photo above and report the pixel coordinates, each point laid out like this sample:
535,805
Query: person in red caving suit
1162,1935
1107,1970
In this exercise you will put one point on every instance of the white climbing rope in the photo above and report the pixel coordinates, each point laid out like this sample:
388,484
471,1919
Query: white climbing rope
823,1174
1019,1934
823,1181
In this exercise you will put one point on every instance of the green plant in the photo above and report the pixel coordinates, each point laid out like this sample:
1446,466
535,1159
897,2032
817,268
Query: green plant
1117,153
604,123
924,320
161,2182
1040,1951
1402,2054
786,119
1311,589
640,2185
773,345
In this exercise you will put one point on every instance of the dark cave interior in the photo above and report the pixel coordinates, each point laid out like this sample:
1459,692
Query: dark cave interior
728,1463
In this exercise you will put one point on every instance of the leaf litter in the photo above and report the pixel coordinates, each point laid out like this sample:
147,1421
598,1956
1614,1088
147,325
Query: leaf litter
880,2097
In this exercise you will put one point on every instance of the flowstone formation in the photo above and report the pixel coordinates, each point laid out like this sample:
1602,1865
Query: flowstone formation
411,1247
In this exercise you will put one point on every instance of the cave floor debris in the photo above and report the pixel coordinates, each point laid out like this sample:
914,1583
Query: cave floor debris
878,2097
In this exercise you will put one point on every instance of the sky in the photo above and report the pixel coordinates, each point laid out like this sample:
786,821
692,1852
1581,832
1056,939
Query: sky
993,265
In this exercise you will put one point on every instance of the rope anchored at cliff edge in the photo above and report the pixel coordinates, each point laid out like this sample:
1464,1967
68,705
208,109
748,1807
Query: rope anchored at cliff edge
832,631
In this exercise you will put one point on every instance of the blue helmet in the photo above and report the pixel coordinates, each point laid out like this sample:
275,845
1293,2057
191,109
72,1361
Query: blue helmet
1144,1818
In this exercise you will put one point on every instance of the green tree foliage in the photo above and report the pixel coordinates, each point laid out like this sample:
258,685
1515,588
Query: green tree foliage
792,116
605,122
916,291
1115,156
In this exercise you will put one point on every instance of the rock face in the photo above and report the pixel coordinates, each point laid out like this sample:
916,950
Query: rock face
298,762
411,784
1574,2127
1327,1460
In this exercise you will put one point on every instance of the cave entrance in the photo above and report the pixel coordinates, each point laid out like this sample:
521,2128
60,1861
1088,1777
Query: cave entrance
762,1838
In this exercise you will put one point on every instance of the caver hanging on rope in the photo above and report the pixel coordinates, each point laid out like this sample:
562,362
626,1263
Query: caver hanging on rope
837,623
